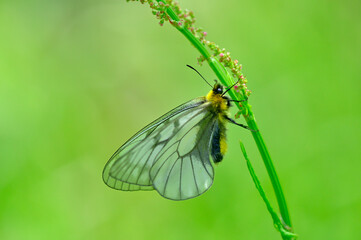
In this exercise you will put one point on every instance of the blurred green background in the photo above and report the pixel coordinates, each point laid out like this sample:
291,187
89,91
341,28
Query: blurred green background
78,78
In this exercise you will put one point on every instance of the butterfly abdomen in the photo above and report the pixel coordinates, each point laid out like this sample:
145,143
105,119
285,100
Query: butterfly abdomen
218,142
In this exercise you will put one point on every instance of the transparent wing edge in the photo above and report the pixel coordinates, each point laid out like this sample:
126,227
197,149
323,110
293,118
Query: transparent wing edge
122,185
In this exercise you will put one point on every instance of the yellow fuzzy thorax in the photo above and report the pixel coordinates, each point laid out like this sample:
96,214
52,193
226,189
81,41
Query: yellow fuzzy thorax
219,104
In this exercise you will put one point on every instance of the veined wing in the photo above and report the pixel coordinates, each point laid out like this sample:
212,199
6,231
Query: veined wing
182,169
128,169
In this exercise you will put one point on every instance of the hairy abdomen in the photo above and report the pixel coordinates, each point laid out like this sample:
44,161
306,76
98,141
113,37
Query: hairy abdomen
218,141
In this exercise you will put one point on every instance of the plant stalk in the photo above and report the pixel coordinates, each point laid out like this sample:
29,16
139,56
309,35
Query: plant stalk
227,80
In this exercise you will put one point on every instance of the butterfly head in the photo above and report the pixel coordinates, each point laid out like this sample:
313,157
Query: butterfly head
217,88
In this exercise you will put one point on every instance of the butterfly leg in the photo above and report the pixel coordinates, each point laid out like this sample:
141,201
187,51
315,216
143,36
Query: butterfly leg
243,100
231,100
239,124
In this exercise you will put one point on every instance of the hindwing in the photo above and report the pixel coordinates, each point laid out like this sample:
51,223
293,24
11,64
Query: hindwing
170,155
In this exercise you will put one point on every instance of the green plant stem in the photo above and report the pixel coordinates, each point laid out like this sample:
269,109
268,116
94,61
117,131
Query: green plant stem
271,171
247,113
276,220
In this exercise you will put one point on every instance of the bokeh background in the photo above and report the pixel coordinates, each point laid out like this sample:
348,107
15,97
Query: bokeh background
78,78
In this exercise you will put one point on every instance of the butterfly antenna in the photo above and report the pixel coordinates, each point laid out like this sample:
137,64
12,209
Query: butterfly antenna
200,75
230,88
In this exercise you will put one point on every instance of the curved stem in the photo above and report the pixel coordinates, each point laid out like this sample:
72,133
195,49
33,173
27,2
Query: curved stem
276,220
226,79
271,172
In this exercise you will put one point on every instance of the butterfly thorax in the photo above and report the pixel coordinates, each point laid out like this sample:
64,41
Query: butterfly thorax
219,103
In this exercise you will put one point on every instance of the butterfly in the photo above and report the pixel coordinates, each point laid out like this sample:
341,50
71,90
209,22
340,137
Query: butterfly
172,154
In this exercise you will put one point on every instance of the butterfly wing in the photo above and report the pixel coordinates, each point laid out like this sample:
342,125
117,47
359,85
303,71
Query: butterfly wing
171,155
183,170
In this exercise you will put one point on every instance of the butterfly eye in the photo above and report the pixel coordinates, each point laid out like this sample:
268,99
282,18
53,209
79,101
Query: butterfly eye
219,90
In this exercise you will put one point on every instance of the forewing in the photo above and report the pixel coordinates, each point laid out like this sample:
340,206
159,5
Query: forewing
183,169
128,169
